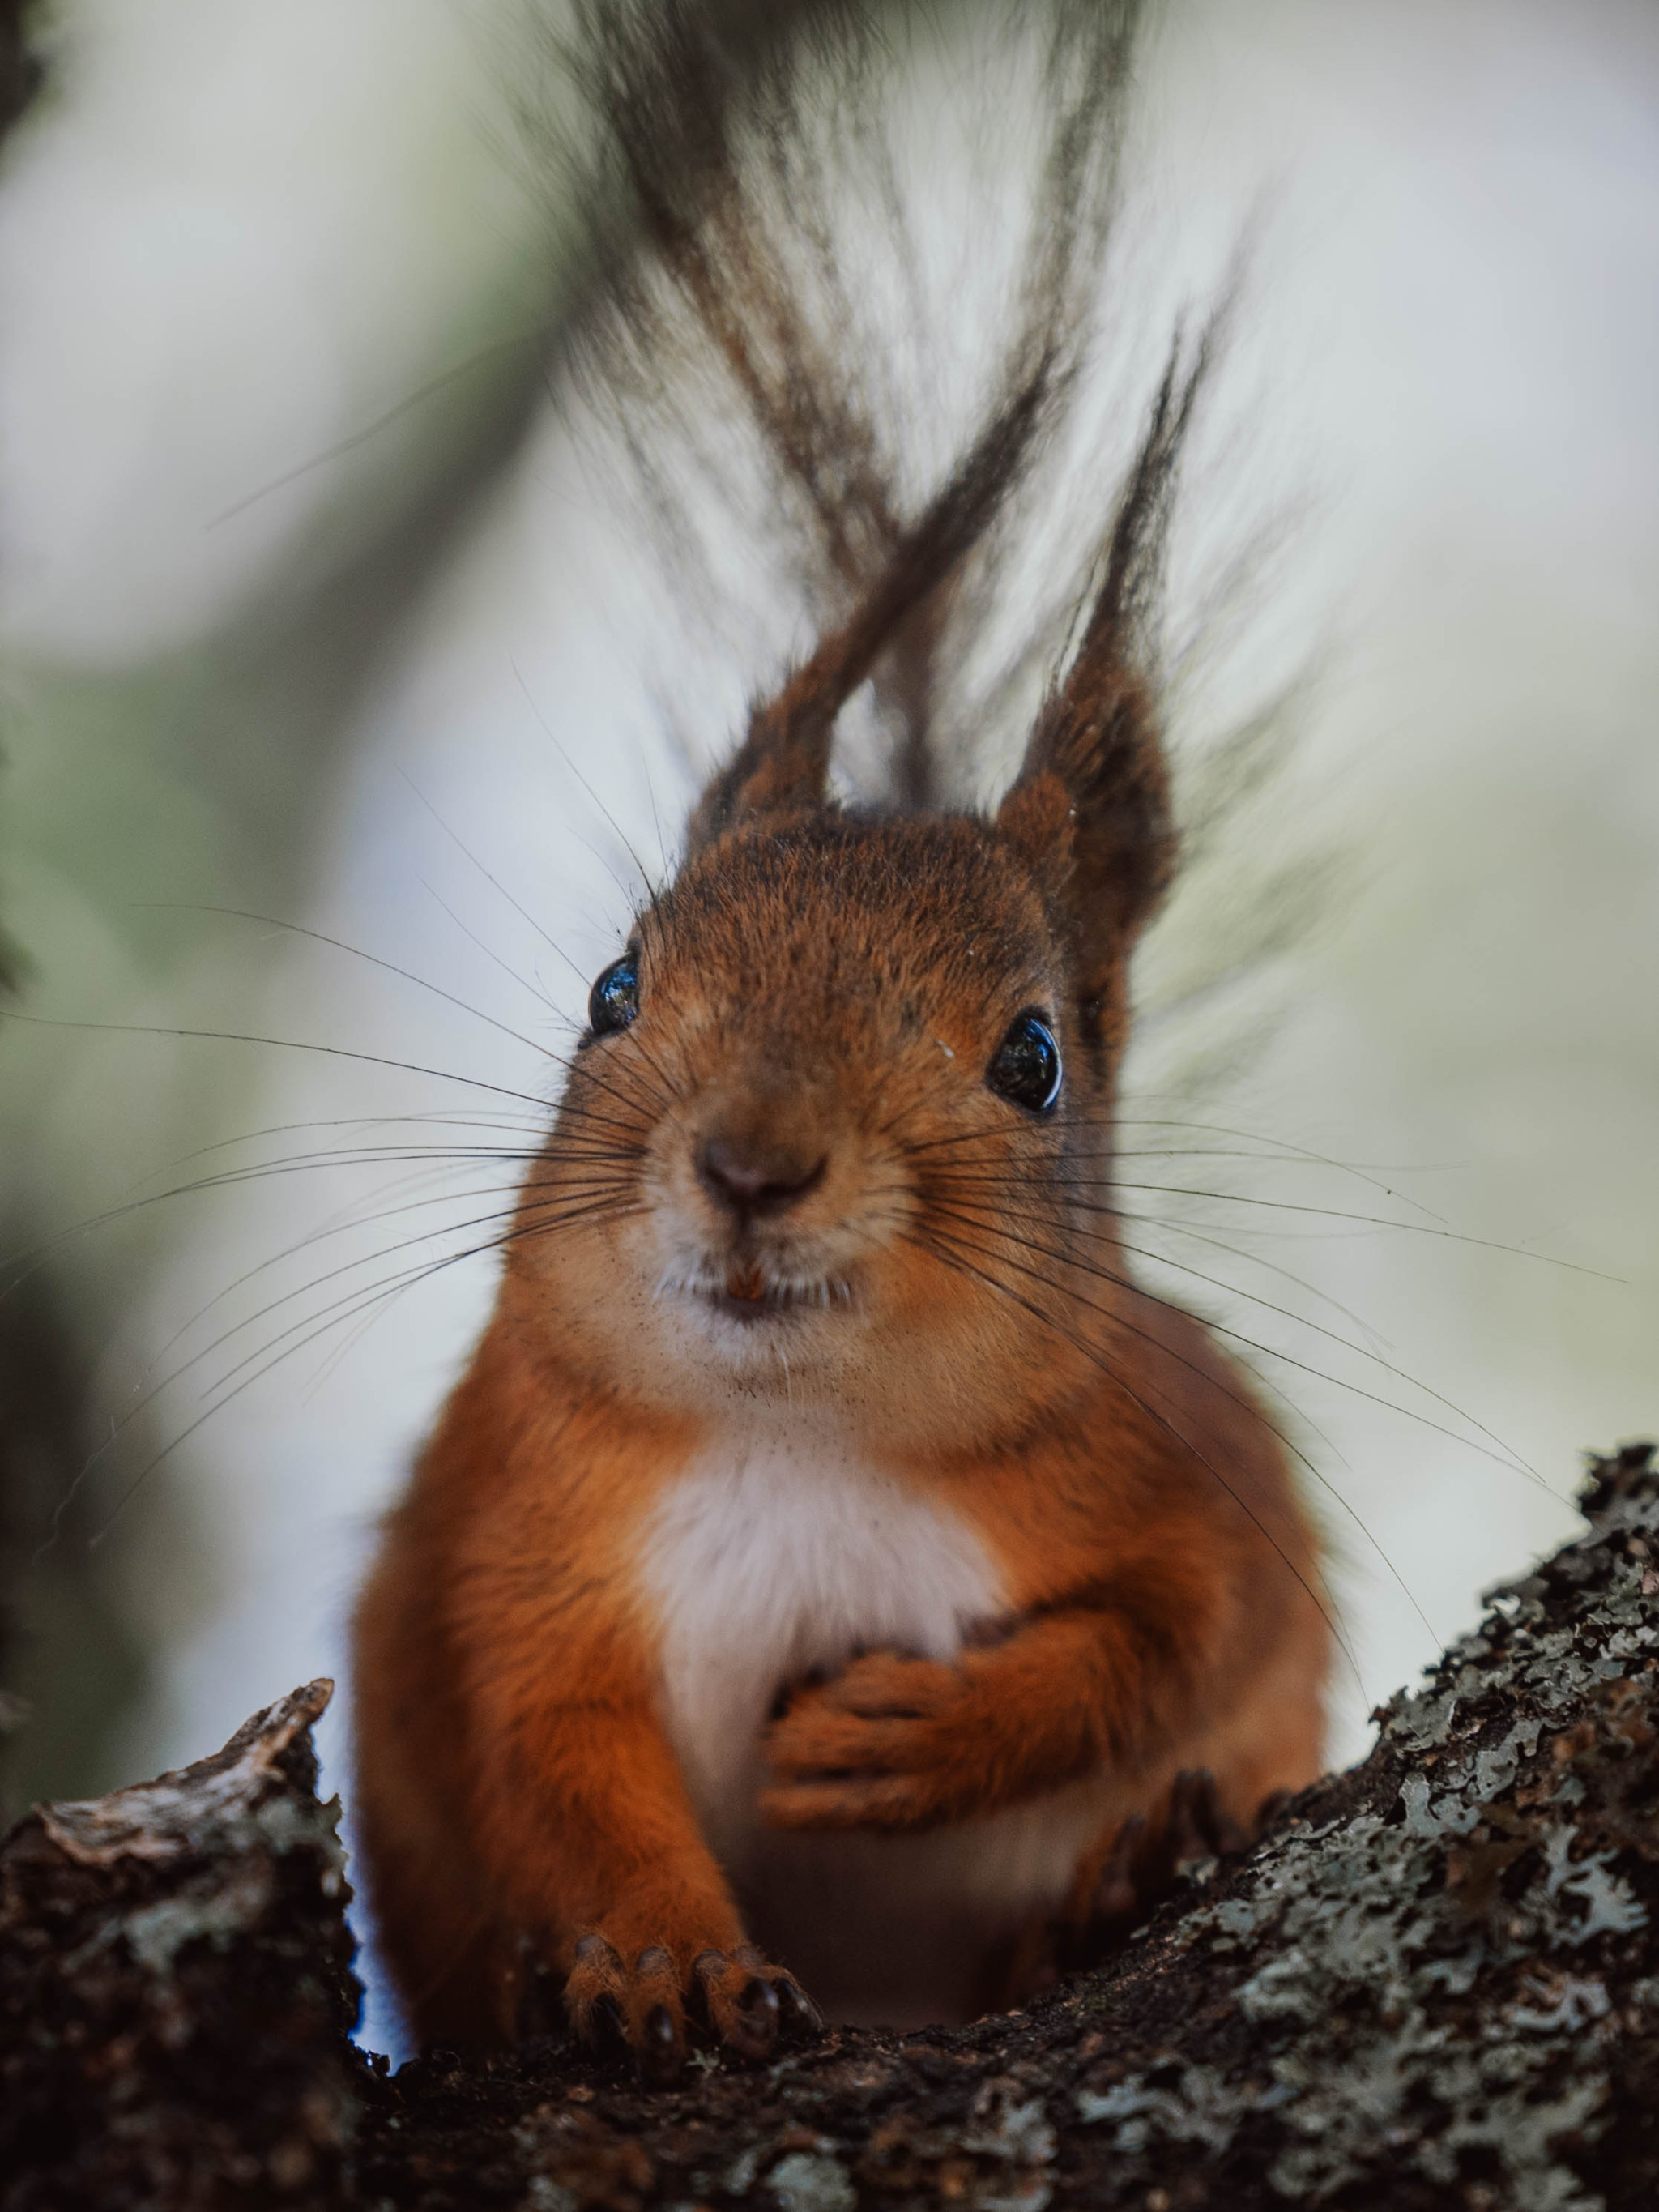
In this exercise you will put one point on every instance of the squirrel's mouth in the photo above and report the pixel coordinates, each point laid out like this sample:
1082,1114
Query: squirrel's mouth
748,1291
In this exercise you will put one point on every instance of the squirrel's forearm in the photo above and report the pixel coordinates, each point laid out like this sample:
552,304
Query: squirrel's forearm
581,1819
1075,1692
1119,1676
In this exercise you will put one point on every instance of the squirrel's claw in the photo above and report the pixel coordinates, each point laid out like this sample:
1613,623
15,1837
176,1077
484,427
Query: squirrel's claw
1199,1826
1145,1862
749,2004
615,2007
752,2004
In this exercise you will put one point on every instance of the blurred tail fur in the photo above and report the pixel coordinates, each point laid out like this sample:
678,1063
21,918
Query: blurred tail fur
752,167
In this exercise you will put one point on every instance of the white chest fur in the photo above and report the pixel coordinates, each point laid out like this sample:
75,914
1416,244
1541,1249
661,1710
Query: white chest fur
773,1554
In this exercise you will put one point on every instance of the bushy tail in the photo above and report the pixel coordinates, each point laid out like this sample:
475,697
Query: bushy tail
757,167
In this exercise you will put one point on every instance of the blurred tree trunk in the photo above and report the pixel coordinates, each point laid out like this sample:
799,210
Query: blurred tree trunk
20,69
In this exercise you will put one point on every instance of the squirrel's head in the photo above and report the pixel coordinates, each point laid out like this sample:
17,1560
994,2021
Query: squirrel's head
839,1130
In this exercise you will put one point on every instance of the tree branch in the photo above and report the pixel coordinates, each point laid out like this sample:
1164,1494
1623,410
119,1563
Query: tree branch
1435,1983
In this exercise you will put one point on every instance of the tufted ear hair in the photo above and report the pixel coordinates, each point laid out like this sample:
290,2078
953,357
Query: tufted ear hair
1090,807
780,767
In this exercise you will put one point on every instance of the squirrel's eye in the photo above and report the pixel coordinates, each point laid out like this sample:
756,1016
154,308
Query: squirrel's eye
1025,1067
615,998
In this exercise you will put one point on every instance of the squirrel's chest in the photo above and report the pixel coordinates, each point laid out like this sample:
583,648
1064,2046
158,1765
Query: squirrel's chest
770,1557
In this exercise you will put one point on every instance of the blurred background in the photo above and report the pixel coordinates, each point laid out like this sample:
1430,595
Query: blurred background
328,604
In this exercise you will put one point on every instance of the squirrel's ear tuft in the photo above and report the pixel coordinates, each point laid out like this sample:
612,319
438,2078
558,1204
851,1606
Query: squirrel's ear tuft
1090,809
781,767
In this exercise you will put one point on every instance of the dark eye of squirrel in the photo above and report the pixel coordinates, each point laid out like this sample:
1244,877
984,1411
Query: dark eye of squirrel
615,998
1025,1067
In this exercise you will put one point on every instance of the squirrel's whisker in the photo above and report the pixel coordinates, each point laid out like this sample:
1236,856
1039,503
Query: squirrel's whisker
945,1251
580,1204
1503,1454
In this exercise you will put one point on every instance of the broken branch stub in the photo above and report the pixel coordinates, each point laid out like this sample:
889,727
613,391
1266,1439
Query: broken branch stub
175,1987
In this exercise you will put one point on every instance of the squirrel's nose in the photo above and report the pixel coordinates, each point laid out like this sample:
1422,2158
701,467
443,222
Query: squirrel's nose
750,1177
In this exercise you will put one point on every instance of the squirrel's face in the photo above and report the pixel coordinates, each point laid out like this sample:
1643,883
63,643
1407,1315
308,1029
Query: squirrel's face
828,1136
838,1134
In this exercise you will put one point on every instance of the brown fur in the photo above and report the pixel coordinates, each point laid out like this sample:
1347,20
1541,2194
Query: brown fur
515,1780
940,1293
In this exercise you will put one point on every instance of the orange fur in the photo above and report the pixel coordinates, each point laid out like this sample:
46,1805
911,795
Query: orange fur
518,1785
831,1544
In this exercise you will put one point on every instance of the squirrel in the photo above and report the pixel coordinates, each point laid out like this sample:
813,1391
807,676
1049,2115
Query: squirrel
834,1586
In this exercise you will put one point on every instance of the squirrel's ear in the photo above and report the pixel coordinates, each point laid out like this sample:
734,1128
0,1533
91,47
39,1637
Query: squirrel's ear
1090,809
781,766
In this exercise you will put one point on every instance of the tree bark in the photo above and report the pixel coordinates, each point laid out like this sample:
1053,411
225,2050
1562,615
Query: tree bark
1434,1984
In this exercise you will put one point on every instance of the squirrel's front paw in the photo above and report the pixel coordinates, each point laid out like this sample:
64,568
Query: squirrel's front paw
749,2004
887,1743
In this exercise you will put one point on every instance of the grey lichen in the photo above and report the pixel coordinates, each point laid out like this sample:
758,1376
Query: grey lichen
809,2181
1422,1975
217,1912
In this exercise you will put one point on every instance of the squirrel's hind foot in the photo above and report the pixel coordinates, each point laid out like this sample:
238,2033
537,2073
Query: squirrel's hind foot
1126,1876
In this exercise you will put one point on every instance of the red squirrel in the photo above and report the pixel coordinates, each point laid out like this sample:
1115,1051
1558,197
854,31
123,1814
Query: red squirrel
832,1566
